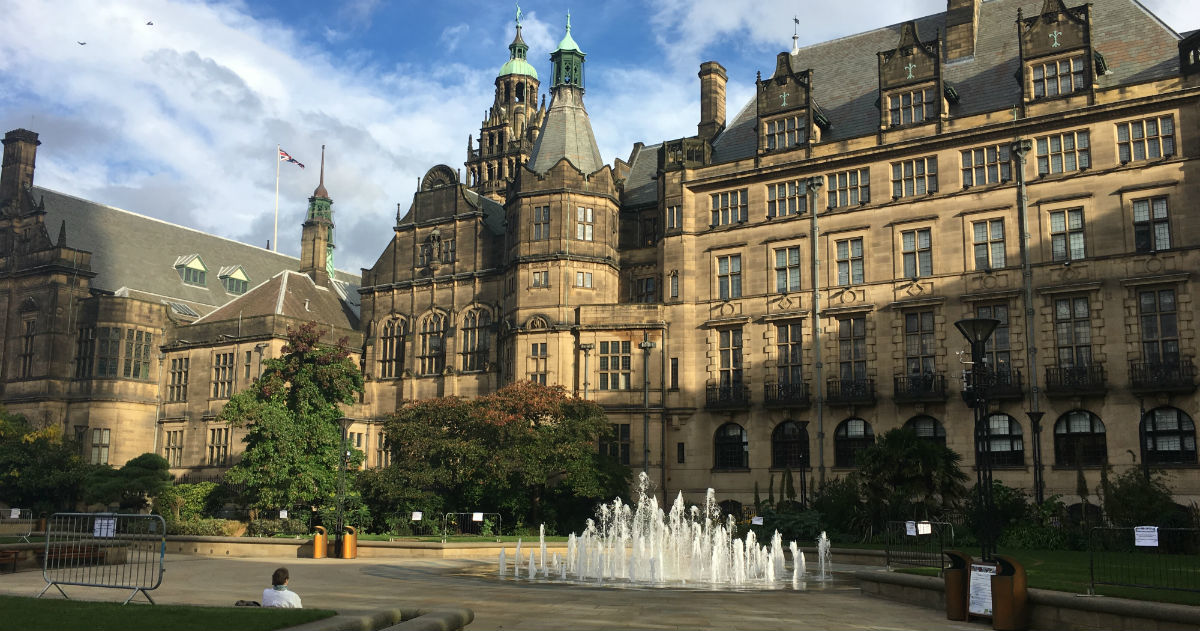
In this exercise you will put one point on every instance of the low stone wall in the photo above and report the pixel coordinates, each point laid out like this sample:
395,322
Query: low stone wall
400,619
1049,610
250,547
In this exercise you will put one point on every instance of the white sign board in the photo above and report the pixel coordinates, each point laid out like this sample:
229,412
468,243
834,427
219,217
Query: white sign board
924,528
910,528
756,521
477,517
283,514
14,513
979,602
417,515
1145,536
104,527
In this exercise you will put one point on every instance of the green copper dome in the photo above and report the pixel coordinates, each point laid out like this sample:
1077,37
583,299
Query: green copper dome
518,66
568,42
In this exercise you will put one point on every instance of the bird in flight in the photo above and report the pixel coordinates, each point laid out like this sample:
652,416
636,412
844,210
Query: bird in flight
81,43
149,23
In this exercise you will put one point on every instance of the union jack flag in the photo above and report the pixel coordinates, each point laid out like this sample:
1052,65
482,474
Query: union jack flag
284,157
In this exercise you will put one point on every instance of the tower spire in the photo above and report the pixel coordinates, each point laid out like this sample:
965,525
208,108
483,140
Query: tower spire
796,35
321,192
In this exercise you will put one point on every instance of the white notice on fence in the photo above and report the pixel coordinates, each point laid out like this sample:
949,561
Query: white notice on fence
924,528
104,527
417,515
910,528
283,514
14,513
756,521
980,601
1146,536
477,517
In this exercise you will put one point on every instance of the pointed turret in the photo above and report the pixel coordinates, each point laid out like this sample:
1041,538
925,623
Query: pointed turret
316,239
567,130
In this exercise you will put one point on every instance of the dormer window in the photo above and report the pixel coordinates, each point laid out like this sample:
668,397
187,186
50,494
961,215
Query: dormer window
785,133
1058,77
912,106
1056,50
234,279
910,81
191,270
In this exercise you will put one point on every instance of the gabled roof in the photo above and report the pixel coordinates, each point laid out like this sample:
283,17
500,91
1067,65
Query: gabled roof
292,295
1137,46
640,185
566,133
135,255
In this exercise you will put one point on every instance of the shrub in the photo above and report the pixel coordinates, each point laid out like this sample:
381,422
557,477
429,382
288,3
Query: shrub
1140,498
203,527
802,526
188,501
272,527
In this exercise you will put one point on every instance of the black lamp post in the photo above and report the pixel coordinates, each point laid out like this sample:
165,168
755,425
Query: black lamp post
977,331
341,494
646,345
1039,484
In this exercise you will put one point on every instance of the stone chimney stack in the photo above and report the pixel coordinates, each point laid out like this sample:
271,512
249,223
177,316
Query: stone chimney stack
712,100
20,150
962,28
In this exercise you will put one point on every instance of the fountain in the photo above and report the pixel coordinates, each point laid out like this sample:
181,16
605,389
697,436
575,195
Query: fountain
684,547
823,556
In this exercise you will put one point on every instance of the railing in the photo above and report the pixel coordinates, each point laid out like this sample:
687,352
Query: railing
1075,380
1146,557
16,523
921,387
727,397
472,524
787,395
104,550
917,543
850,391
1163,376
1006,384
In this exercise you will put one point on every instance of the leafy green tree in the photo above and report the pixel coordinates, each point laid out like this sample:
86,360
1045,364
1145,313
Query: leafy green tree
133,485
1138,498
906,477
39,469
294,440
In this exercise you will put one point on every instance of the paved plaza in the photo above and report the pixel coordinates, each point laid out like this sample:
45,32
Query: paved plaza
368,584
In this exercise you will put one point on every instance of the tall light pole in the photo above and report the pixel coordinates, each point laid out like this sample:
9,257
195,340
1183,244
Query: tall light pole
344,423
646,346
812,185
977,331
1021,148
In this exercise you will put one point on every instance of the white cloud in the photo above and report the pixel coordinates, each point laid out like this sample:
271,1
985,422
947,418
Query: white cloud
452,35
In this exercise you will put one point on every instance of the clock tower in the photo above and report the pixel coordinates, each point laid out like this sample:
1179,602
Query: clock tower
316,240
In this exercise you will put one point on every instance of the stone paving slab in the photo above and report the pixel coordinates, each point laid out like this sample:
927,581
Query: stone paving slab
365,585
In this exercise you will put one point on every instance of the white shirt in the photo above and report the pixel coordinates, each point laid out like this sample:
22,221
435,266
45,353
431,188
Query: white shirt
280,598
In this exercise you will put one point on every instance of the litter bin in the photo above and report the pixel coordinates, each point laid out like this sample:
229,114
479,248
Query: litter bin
320,543
956,577
350,543
1010,595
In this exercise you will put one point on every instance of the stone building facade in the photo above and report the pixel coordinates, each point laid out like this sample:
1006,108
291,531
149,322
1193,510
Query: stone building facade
770,293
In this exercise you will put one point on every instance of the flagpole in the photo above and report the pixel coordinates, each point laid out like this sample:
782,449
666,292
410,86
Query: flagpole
275,236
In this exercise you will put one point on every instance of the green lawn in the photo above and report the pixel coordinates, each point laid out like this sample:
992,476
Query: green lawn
1070,571
32,614
525,539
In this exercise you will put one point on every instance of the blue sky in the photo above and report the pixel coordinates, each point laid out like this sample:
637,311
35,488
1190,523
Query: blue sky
179,120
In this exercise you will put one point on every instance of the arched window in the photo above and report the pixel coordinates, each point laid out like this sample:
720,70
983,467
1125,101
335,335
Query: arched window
730,507
475,340
851,436
1008,446
928,428
391,348
433,344
730,449
789,446
1079,440
1169,436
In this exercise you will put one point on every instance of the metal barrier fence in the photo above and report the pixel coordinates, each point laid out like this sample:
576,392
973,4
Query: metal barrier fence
424,524
16,523
104,550
477,524
918,543
1146,556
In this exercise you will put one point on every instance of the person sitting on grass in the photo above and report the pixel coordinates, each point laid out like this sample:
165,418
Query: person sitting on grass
278,595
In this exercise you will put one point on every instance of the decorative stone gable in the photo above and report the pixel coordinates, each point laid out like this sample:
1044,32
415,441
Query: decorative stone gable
1056,52
785,109
1056,30
785,91
911,62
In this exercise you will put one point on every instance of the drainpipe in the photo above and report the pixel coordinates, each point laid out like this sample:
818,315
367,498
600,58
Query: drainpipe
1020,148
813,184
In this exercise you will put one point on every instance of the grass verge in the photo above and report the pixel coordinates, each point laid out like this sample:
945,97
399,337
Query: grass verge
32,614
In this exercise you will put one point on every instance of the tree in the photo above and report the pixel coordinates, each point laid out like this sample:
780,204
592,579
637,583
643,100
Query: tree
907,477
294,439
133,485
527,450
39,469
1138,498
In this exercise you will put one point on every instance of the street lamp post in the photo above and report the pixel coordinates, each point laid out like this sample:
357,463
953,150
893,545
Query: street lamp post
646,346
344,423
977,331
1039,483
811,186
587,373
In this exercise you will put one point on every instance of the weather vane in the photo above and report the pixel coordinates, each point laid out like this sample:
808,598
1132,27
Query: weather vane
518,14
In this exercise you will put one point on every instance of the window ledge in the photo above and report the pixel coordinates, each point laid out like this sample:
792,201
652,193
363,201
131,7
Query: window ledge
1086,467
731,470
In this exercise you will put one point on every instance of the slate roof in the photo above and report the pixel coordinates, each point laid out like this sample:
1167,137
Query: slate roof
493,211
640,185
1137,46
290,294
134,255
566,133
